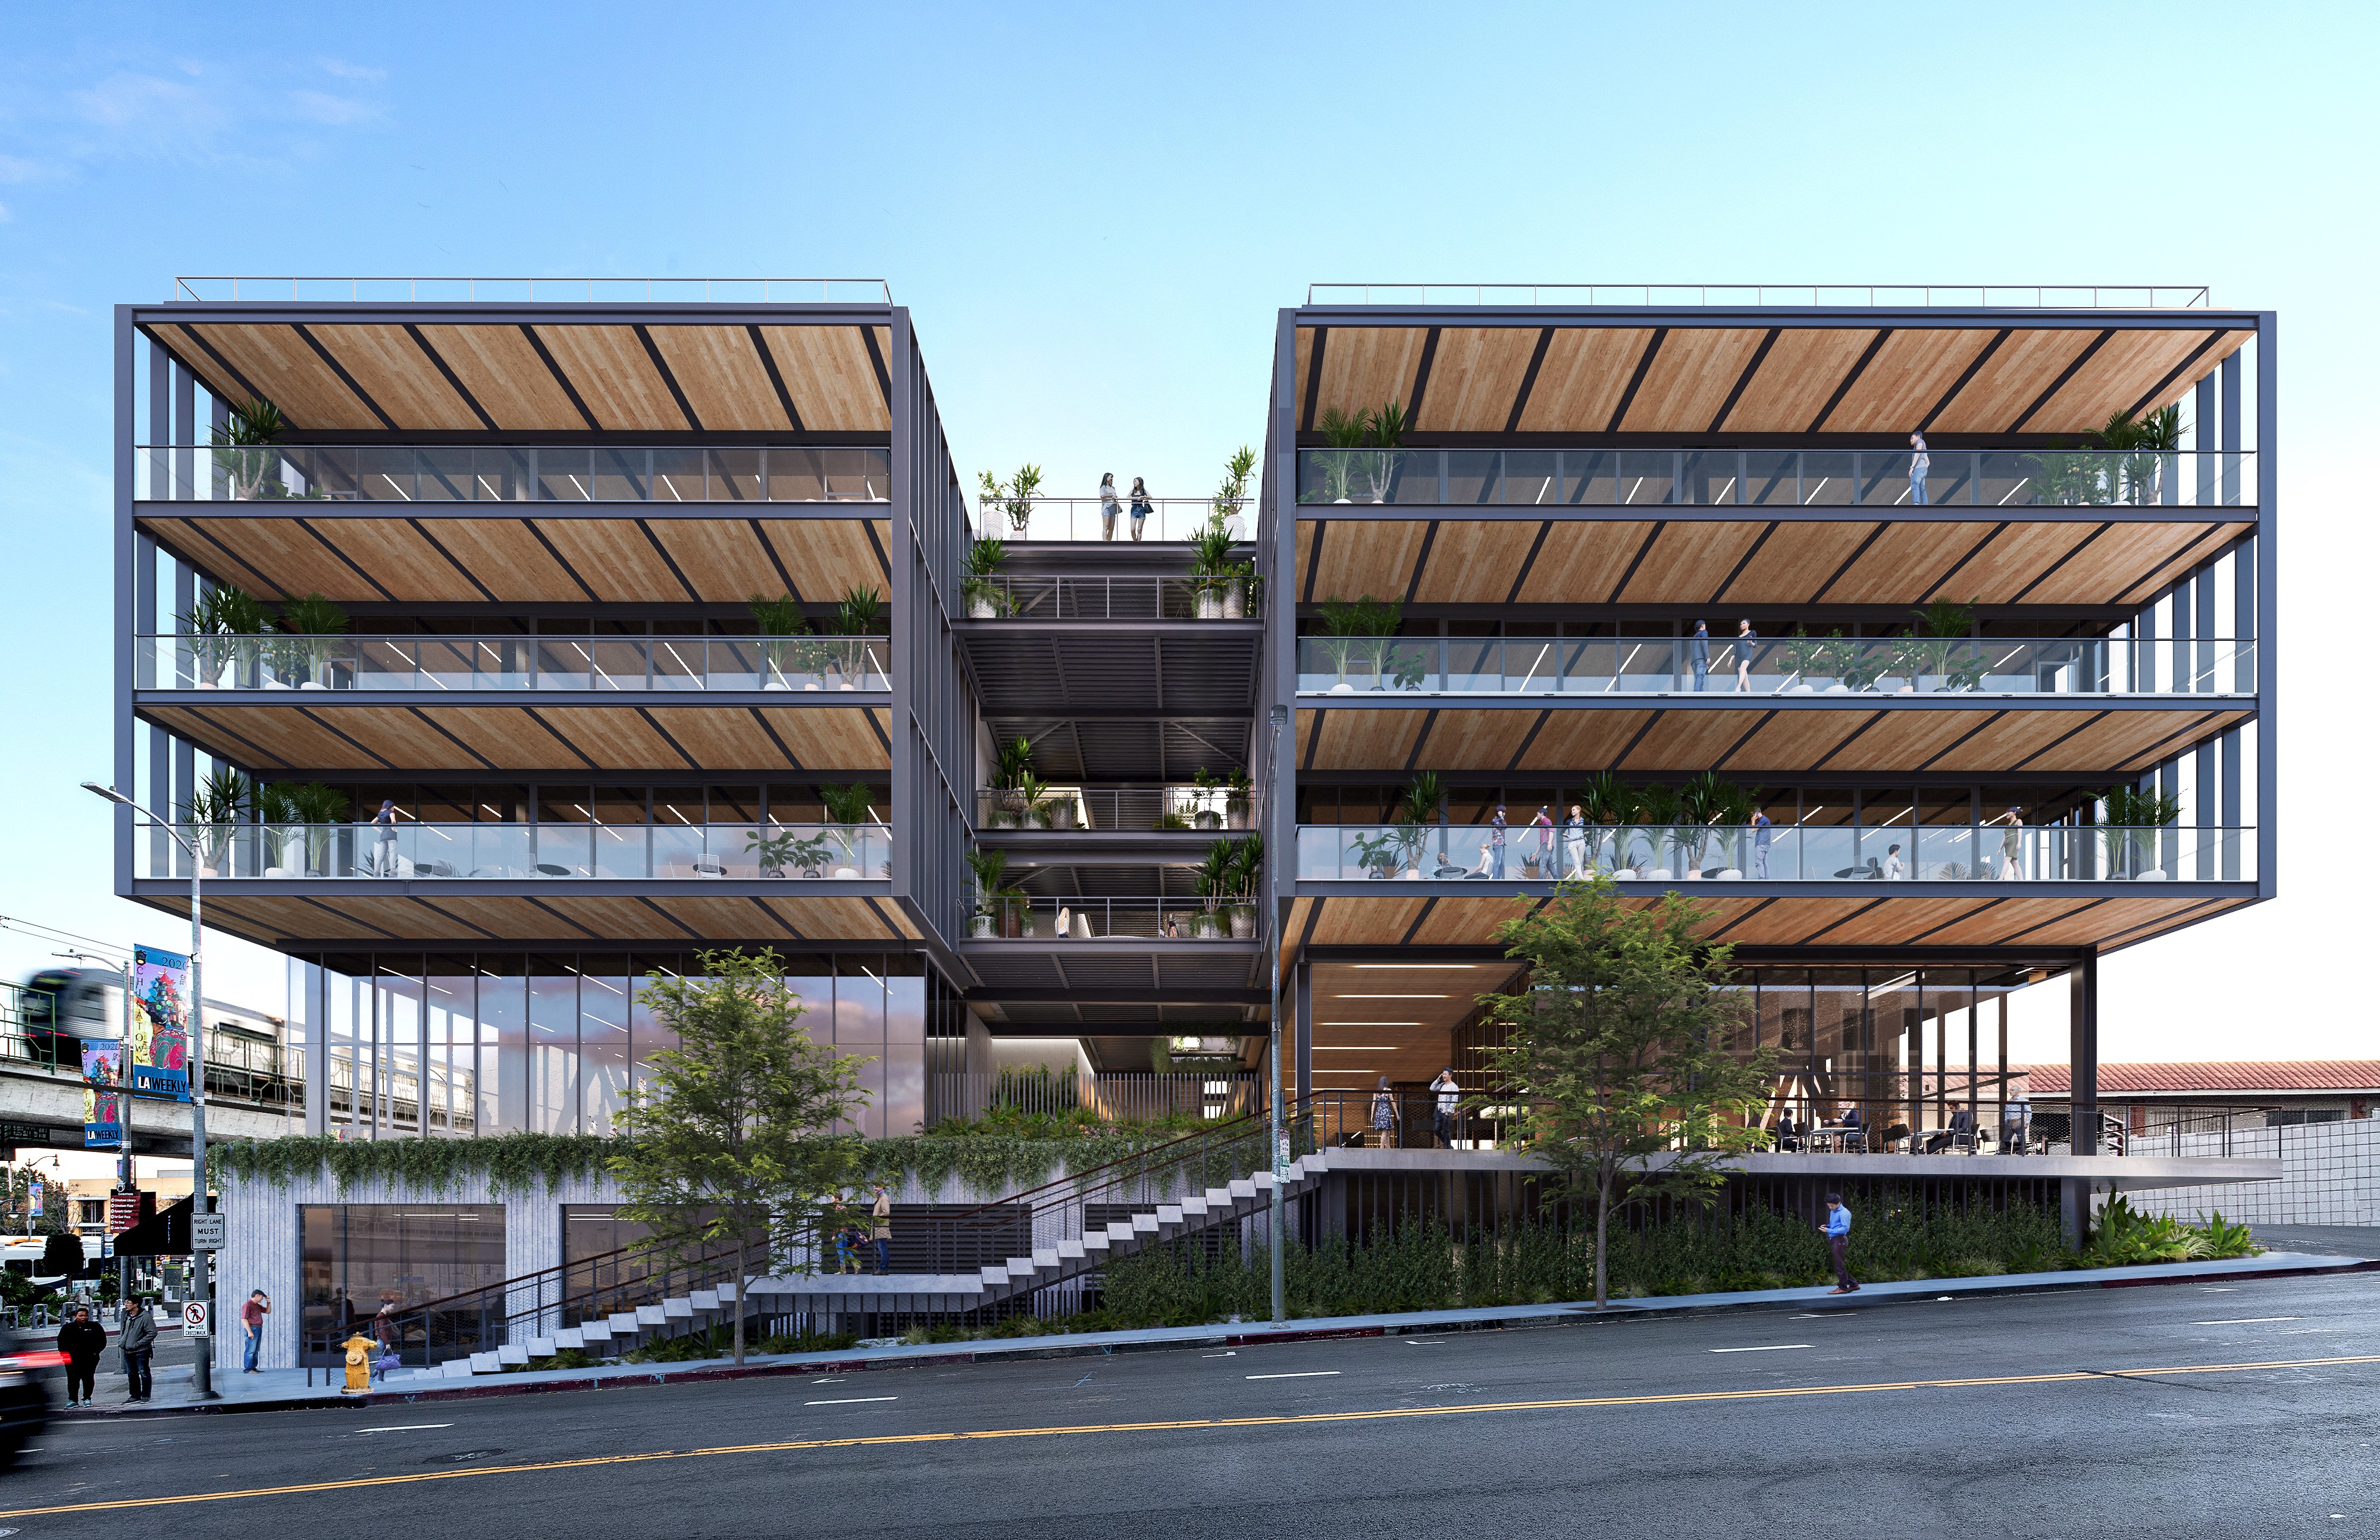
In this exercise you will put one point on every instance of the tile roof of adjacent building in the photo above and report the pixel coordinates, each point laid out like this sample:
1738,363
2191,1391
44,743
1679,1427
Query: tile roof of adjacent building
2227,1077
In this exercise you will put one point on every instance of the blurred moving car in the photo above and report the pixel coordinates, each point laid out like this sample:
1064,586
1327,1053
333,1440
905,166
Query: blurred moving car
24,1404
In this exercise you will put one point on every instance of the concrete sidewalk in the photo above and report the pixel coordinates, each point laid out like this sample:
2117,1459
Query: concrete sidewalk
286,1390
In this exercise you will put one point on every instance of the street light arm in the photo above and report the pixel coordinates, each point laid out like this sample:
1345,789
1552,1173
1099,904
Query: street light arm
189,848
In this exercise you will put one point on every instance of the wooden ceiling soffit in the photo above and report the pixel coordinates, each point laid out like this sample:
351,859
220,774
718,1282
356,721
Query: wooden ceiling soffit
1691,379
1801,374
2130,366
825,739
395,557
1688,563
392,369
827,557
1365,557
282,552
1791,568
1475,377
722,558
1586,372
1908,377
1365,367
614,375
275,362
2130,559
1582,562
2135,740
1906,561
721,372
830,377
1358,740
1472,563
1583,740
501,369
1460,740
613,557
2000,393
506,556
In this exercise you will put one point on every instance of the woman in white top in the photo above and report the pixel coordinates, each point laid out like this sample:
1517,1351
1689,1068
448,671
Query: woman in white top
1108,506
1576,840
1918,462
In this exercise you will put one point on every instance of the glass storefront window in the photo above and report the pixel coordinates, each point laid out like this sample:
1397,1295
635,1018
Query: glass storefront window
356,1257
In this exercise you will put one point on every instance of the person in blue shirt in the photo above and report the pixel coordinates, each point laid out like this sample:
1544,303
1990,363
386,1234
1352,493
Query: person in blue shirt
1838,1240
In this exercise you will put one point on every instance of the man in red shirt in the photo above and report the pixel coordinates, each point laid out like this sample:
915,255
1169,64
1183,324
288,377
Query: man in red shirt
251,1324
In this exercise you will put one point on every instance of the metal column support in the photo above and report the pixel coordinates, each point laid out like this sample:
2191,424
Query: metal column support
2082,1054
1305,1029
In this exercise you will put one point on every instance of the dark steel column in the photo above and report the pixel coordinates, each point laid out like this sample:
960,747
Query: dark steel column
1305,1029
2082,1054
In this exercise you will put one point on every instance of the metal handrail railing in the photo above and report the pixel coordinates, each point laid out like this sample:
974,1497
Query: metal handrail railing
1030,917
186,288
1166,519
1178,809
2065,296
411,473
1099,597
437,664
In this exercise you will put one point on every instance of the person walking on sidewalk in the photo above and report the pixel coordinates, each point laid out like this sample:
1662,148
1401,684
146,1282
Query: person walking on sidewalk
252,1329
1838,1240
138,1341
82,1339
881,1232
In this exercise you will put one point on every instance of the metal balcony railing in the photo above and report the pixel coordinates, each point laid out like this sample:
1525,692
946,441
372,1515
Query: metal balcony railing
1745,852
1031,917
2030,296
1166,519
1774,477
509,473
1866,666
459,665
1113,599
1177,810
409,850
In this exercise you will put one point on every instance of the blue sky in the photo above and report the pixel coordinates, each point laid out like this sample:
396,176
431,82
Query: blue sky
1095,212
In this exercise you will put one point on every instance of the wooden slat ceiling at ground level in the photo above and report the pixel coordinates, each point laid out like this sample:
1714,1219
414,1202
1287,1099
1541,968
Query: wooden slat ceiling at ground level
389,366
827,369
1483,367
1476,373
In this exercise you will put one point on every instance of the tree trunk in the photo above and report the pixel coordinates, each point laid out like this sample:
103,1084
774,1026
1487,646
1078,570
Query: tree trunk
1602,1228
740,1244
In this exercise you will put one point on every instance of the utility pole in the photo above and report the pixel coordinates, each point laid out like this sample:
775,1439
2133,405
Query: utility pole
1272,931
201,1289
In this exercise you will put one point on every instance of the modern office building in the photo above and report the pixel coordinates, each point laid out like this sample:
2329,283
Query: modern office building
657,633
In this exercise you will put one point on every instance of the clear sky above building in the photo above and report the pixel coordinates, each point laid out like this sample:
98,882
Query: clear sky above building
1095,212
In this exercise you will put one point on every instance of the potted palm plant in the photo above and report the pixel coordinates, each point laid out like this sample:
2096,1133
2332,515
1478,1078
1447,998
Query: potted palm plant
243,460
1657,810
1032,809
2131,818
225,627
785,853
856,620
217,806
1014,500
1210,564
847,810
1013,764
1358,629
1239,800
1243,873
985,591
315,619
1609,806
1706,805
1385,429
1233,495
1420,806
989,867
781,626
1938,634
314,808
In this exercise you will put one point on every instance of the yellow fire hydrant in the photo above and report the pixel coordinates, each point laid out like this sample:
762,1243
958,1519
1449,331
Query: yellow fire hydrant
359,1365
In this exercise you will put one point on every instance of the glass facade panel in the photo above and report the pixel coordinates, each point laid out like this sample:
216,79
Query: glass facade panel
398,1041
603,1048
504,1046
552,1047
677,476
353,1259
450,997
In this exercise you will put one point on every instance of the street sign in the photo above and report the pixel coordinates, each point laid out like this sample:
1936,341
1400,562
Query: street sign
206,1233
127,1209
194,1318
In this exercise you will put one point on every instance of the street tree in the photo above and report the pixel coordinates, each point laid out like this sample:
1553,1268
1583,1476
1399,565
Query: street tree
1617,1050
742,1136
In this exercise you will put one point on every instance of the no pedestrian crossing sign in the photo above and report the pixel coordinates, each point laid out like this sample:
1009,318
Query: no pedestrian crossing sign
194,1318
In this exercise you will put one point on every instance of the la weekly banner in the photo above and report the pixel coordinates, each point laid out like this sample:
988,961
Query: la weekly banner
102,1097
157,1047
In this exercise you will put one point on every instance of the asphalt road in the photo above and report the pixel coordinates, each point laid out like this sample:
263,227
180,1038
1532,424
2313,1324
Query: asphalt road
2094,1414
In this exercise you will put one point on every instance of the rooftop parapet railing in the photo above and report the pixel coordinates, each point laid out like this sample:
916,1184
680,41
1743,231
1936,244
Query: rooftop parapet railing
509,473
1167,519
1019,916
437,665
1775,477
1793,665
2027,297
1095,597
411,852
1779,852
1177,810
441,290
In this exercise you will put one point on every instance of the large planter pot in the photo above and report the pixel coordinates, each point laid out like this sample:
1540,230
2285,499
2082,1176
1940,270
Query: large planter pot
1411,874
981,607
846,873
1343,687
1659,874
1207,604
979,928
1206,819
2155,874
1244,923
1728,874
1061,815
1236,602
1236,815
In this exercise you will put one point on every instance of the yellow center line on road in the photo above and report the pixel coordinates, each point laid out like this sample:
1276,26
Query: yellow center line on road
2072,1376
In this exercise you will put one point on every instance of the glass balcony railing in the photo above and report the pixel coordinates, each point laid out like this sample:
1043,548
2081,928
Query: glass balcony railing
1777,665
412,852
1775,477
1651,853
1175,810
1020,916
510,473
465,664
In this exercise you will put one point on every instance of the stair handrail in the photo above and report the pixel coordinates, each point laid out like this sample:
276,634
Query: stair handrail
1138,1157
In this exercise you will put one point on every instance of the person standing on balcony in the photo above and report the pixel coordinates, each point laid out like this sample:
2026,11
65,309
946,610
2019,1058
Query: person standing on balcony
1837,1227
1764,829
1699,653
1384,1116
2011,844
1450,1101
384,840
1109,507
1544,824
881,1229
1744,637
1496,844
1894,867
1918,463
1140,502
1576,840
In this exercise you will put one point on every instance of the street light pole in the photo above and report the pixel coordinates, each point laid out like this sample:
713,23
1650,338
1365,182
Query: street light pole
1272,910
201,1289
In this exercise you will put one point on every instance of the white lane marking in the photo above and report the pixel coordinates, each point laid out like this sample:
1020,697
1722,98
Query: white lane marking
1773,1347
2250,1320
1825,1315
1309,1374
852,1400
407,1427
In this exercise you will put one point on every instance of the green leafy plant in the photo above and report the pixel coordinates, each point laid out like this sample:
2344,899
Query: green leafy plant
981,585
224,626
990,868
240,454
786,852
2130,819
1608,804
1014,499
216,807
783,631
1233,495
848,810
1424,798
1358,628
314,620
314,807
1344,433
1656,811
858,614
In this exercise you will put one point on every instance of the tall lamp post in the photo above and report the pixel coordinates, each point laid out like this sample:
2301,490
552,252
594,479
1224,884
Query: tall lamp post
201,1285
1272,931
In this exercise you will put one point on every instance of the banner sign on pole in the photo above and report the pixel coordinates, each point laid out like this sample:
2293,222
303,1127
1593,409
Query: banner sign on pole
102,1097
157,1052
37,1197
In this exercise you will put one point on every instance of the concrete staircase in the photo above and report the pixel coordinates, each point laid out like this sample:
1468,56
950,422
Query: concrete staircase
853,1293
